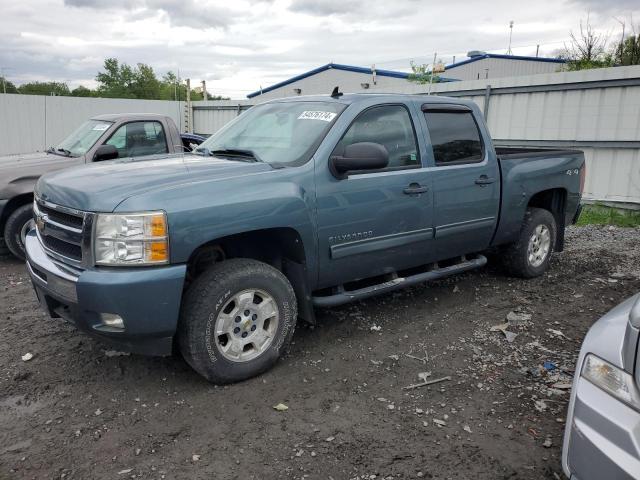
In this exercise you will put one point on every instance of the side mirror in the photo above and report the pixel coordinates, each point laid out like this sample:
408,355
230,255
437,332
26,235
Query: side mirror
105,152
359,156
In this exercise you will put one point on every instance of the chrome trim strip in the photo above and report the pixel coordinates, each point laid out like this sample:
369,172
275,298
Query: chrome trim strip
375,244
461,227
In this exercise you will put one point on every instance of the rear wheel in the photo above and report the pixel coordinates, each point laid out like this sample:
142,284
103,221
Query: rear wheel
529,256
237,318
15,230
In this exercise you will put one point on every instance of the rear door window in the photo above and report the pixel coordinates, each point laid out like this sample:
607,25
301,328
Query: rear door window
455,137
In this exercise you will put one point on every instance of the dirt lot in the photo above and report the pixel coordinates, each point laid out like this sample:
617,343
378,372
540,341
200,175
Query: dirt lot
77,411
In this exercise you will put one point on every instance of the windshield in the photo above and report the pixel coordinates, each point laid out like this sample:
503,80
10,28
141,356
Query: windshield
83,138
276,133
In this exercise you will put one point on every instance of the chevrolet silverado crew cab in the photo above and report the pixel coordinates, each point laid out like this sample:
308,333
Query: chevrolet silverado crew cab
101,138
297,203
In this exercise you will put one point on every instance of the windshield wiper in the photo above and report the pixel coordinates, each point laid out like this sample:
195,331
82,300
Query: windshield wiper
65,151
235,152
56,151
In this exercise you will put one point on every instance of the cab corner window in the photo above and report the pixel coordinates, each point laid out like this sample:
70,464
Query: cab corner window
137,139
389,126
455,138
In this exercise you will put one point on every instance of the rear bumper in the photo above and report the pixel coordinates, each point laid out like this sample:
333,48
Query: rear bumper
147,300
603,436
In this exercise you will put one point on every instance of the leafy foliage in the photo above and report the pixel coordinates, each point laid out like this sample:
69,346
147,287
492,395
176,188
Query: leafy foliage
117,80
44,88
6,85
421,74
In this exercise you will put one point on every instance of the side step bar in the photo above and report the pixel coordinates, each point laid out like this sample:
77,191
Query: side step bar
345,296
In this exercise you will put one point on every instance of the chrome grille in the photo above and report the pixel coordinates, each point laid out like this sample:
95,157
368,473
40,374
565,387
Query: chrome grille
61,231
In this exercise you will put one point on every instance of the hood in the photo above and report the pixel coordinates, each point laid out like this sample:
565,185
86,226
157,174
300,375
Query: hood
101,187
18,173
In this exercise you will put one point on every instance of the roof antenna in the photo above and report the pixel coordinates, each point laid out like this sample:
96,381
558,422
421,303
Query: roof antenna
336,93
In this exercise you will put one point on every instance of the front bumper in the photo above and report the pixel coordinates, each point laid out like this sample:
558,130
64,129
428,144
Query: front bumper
147,299
603,436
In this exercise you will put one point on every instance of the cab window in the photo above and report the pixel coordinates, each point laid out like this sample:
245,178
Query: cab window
136,139
387,125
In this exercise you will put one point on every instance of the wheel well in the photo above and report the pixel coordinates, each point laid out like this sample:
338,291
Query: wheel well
281,248
16,202
271,246
555,201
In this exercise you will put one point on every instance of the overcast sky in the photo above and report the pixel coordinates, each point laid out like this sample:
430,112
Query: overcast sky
239,46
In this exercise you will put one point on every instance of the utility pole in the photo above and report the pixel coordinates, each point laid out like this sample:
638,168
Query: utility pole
509,52
189,113
4,84
537,50
433,67
205,96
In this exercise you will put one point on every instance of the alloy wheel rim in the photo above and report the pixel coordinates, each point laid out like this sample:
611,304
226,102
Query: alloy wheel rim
246,325
539,246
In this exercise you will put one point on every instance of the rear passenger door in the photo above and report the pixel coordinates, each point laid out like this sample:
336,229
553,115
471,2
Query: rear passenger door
466,180
138,139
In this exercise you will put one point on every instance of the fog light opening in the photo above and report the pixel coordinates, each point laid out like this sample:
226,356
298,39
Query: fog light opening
112,320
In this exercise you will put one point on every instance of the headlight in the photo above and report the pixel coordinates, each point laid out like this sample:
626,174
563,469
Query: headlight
131,239
612,380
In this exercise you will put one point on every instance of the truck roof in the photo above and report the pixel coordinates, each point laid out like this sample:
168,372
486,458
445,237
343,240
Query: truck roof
349,98
115,117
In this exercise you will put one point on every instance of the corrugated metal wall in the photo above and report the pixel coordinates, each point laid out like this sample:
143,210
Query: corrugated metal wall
30,123
211,116
597,111
500,67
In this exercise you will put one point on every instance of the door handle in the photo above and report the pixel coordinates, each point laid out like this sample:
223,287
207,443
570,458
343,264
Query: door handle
415,188
484,180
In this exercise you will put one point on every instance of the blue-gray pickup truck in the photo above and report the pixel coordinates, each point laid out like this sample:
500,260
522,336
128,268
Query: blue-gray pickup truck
297,203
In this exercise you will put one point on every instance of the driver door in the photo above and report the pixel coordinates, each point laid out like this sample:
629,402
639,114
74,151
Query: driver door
375,222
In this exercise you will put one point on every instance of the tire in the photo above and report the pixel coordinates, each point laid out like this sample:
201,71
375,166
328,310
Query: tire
3,248
16,227
525,258
223,292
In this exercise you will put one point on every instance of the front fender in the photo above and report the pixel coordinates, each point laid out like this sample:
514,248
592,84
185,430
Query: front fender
202,212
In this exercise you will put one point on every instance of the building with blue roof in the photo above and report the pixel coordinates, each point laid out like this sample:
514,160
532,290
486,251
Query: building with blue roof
354,79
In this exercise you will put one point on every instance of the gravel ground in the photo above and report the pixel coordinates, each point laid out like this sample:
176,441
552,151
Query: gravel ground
78,410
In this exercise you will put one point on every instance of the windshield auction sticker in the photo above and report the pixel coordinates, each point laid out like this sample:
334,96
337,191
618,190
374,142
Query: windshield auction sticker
317,115
101,127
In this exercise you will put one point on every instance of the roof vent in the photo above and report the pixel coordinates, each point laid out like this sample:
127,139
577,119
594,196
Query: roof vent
476,53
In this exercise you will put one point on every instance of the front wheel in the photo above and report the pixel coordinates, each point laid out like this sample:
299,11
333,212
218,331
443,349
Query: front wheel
15,230
529,256
237,318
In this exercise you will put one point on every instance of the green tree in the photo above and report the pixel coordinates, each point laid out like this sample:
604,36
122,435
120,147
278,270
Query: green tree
628,51
587,49
44,88
145,84
6,86
116,81
81,91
